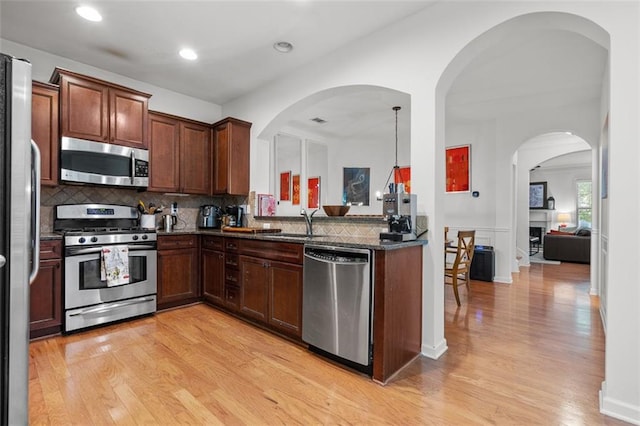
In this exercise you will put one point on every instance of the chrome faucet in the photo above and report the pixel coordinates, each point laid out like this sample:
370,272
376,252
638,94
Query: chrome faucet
308,218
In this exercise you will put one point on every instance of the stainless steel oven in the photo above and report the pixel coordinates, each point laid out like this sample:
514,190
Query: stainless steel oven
90,299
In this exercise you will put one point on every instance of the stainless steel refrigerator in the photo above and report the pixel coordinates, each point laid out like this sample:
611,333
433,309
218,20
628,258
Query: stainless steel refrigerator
19,234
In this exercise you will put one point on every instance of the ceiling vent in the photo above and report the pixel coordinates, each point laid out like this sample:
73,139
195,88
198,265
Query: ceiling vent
319,120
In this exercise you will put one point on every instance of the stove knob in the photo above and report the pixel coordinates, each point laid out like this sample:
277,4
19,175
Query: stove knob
144,237
134,238
94,239
82,240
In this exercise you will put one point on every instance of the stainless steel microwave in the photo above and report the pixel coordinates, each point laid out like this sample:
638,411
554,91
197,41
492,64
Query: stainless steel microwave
103,164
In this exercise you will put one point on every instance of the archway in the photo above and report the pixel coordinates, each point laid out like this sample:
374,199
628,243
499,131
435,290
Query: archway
496,111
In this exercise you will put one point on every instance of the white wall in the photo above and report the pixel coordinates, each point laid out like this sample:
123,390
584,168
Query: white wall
412,57
162,100
561,184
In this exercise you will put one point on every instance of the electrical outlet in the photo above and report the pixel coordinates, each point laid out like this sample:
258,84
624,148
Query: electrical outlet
174,208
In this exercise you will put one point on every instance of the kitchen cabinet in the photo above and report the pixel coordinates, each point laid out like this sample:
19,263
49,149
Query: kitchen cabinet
178,267
271,284
44,129
179,153
231,157
212,272
231,274
45,293
101,111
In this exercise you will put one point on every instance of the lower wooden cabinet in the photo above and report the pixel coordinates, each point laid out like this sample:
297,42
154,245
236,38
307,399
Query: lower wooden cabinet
271,291
178,267
212,272
45,313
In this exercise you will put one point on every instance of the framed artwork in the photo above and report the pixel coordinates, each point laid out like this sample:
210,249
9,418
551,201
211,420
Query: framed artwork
458,168
285,186
538,195
266,205
403,175
295,186
355,186
313,192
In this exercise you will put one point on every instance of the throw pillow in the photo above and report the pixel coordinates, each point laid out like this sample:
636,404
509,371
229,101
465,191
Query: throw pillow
554,232
583,232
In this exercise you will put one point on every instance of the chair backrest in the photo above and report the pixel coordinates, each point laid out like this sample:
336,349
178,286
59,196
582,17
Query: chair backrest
464,253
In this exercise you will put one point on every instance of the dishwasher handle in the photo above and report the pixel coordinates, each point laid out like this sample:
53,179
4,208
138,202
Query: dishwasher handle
335,258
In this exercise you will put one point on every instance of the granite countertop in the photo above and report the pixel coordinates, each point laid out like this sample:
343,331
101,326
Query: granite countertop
44,236
327,240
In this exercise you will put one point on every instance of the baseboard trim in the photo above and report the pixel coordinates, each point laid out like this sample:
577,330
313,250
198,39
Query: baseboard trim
435,352
618,409
503,280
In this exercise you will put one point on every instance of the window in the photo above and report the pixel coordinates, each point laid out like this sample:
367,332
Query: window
583,197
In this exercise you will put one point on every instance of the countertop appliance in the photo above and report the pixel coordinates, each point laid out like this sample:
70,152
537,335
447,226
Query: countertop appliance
168,222
103,163
19,235
337,304
235,215
400,210
209,216
90,231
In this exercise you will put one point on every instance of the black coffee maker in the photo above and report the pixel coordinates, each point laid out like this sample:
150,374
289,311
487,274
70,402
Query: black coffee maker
235,214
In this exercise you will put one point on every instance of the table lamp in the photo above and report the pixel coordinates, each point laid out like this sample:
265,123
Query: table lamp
563,218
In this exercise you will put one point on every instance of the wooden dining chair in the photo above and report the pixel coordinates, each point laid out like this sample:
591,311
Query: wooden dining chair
456,269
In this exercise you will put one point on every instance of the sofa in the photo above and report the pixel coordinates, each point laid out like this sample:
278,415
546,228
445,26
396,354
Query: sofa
568,246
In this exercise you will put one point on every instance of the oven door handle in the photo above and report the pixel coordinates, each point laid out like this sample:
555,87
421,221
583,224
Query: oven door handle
111,306
90,250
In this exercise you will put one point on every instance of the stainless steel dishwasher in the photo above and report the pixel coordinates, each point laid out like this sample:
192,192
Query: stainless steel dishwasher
337,304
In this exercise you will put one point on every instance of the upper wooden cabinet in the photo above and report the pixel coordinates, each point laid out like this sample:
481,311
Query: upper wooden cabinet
100,111
179,152
231,157
44,129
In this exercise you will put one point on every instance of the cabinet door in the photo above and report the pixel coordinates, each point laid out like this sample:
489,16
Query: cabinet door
177,277
213,276
44,130
285,297
84,109
129,118
195,141
254,287
46,299
220,158
231,157
164,154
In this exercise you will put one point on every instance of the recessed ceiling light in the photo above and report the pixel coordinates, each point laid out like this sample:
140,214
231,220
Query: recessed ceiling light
283,46
89,13
189,54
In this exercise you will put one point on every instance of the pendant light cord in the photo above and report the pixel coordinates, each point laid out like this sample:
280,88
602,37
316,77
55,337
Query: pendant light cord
395,167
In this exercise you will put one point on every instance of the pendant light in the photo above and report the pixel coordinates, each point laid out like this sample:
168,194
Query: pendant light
395,166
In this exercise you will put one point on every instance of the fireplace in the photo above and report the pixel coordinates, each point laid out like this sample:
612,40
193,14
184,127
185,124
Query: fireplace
537,231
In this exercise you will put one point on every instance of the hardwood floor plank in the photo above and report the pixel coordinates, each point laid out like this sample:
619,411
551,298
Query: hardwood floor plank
527,353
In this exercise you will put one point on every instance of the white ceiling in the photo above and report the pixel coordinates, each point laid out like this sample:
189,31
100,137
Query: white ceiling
519,74
234,39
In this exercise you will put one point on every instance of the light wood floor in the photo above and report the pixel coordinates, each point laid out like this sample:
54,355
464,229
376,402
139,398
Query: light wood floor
521,354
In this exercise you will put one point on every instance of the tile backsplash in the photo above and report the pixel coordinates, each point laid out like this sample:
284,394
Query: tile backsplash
74,194
188,207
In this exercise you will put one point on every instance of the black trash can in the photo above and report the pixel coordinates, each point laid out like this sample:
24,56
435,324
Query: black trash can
483,264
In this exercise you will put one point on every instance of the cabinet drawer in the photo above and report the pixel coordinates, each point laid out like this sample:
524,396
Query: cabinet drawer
232,296
212,243
231,261
177,241
231,245
51,249
232,276
285,252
